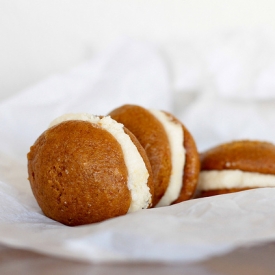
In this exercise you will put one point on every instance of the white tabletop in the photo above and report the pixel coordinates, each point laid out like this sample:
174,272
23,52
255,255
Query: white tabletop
250,260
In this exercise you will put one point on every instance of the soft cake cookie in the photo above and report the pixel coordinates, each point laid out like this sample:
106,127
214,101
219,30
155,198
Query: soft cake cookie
236,166
170,148
86,169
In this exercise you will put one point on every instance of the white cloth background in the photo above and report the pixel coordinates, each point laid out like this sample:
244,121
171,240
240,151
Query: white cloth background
215,88
224,85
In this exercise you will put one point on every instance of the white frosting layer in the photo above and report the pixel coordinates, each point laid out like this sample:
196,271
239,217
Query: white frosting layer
175,135
137,171
226,179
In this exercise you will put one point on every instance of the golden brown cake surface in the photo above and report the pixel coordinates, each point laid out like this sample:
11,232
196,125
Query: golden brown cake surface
209,193
245,155
78,174
151,135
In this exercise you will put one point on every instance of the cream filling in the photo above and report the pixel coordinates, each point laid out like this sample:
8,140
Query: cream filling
226,179
137,171
175,135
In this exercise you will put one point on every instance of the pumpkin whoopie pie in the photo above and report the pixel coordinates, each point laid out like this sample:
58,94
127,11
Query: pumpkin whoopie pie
86,169
236,166
170,148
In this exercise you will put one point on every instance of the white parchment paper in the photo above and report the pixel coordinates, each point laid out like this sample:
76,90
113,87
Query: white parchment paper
127,72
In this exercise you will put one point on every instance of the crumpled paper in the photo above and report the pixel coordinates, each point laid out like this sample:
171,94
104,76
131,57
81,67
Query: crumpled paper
189,231
128,72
